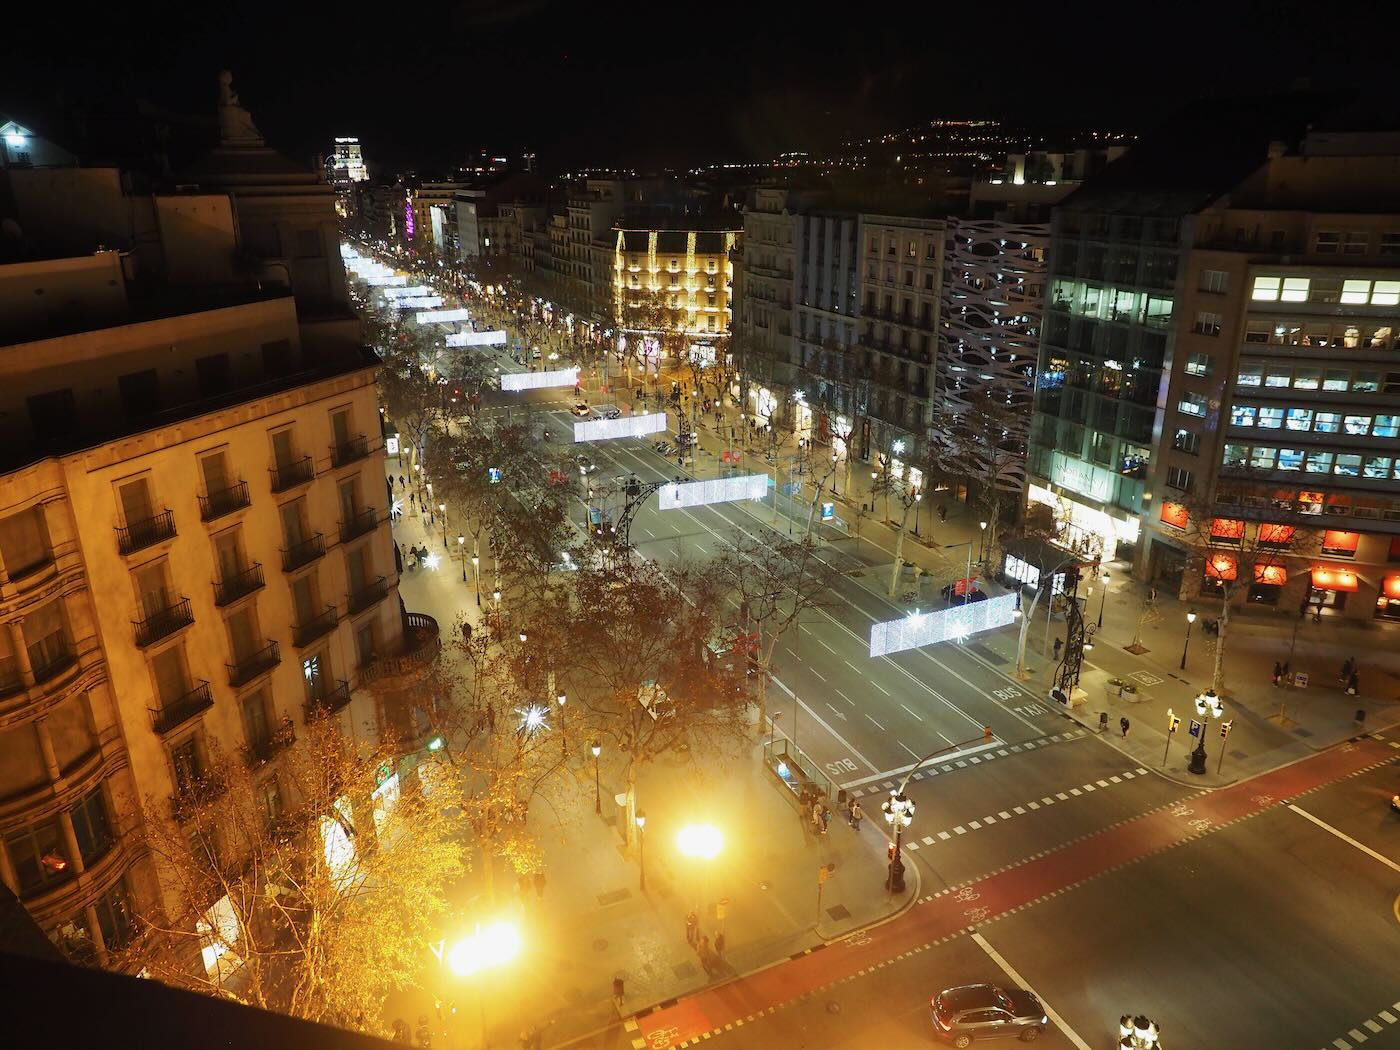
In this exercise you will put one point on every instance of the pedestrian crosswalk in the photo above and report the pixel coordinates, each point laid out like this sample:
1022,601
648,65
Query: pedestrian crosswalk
1372,1027
1031,805
988,755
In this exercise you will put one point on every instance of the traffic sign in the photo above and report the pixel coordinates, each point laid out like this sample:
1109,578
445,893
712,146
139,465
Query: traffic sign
1195,728
1300,679
828,511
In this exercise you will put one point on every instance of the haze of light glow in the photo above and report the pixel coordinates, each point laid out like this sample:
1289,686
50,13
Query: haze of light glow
490,946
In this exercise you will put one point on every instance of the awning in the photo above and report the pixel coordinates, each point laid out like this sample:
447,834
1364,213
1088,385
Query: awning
1277,535
1175,514
1227,528
1391,587
1340,540
1275,575
1333,580
1222,567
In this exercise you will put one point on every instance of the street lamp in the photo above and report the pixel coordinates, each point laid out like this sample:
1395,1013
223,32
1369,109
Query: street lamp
462,553
476,576
1104,600
982,542
442,513
834,478
1190,619
899,814
597,750
642,846
1208,706
562,701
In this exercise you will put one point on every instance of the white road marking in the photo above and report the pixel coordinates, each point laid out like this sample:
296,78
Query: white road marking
960,830
846,698
649,532
905,746
929,840
1019,810
974,824
816,672
914,713
944,836
827,647
1346,838
823,723
1004,815
880,727
1033,805
880,687
1006,967
853,667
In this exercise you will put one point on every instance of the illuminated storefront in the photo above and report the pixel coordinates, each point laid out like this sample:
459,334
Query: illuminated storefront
1085,529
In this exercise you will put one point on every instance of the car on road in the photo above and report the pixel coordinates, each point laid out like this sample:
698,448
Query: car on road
665,448
968,598
610,412
973,1012
585,465
581,410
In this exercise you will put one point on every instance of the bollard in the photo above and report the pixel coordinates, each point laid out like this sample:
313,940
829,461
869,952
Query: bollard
1360,716
1103,721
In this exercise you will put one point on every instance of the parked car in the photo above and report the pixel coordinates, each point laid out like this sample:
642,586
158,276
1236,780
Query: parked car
581,410
973,595
610,412
973,1012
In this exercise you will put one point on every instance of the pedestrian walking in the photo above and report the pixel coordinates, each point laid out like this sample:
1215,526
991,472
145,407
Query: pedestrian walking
817,816
1348,666
857,815
1278,673
402,483
692,929
707,955
826,818
942,514
1353,684
719,944
1123,726
1059,645
539,884
617,994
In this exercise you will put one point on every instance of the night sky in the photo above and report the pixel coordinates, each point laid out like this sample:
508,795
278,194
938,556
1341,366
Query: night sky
668,82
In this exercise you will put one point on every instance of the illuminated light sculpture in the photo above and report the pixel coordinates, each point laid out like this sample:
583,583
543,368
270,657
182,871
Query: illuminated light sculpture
387,280
537,380
443,316
919,629
627,426
406,292
677,496
477,339
407,216
420,302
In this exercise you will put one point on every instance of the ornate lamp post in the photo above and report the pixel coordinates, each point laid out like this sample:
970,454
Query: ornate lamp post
1104,600
1208,706
462,553
442,513
642,847
1190,619
899,814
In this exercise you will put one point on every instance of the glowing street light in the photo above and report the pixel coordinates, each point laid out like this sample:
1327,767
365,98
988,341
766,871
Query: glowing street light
597,750
486,948
462,553
642,847
1190,619
700,841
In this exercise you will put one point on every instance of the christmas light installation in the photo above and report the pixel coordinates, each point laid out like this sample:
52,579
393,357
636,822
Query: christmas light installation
443,316
420,302
678,496
538,380
406,292
477,339
388,280
920,629
627,426
407,216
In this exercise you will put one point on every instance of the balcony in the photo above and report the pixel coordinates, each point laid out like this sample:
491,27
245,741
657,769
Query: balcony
229,590
53,662
327,701
369,594
361,522
421,643
182,709
349,451
224,501
142,534
258,752
244,670
289,475
163,622
303,553
306,633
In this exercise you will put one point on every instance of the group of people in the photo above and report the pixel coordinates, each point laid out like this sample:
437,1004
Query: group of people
1350,676
711,955
815,809
415,556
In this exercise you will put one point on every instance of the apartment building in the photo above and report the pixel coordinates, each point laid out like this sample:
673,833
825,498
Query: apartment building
1213,401
688,268
765,340
194,548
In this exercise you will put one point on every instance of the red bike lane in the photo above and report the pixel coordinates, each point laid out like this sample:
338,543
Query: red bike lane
957,910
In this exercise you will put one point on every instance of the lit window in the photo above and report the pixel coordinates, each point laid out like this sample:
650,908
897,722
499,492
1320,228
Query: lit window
1263,458
1356,291
1358,426
1199,365
1243,415
1250,375
1192,404
1207,323
1366,382
1320,462
1385,293
1300,419
1278,376
1266,289
1295,289
1271,418
1290,459
1307,378
1386,427
1377,467
1327,422
1335,380
1349,465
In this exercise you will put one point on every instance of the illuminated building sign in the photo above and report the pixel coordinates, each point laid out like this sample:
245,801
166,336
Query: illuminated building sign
1081,477
626,426
716,490
911,632
1222,567
476,339
1334,580
443,316
407,217
538,380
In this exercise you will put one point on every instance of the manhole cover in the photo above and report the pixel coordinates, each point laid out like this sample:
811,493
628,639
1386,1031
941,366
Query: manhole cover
833,1007
838,913
600,945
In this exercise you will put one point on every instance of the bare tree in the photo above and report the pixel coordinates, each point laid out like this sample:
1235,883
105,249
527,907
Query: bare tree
320,874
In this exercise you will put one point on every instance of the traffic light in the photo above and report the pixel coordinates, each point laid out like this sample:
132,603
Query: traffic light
1173,723
1225,728
987,734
